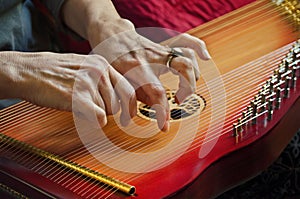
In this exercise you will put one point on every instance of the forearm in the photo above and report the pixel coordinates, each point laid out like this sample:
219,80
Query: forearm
91,17
9,76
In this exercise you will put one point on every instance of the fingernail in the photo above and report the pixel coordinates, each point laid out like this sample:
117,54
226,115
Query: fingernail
133,106
102,121
166,127
177,100
206,54
124,119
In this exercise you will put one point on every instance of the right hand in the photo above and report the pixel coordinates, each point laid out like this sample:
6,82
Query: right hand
50,80
142,62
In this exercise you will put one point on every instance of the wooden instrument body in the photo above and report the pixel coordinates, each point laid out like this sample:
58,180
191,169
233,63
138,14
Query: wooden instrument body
236,41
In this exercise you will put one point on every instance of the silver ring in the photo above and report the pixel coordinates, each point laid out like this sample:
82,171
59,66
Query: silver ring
173,53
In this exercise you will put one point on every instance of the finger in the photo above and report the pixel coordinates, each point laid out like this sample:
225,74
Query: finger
189,53
87,100
186,40
154,95
100,113
126,94
150,91
162,116
85,107
108,94
183,67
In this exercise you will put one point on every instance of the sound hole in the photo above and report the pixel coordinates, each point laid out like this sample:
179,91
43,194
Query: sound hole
190,106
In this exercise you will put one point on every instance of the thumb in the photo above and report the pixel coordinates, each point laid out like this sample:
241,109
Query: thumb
89,111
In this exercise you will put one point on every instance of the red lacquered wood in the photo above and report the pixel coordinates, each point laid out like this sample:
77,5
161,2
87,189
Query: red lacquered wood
246,46
245,163
30,184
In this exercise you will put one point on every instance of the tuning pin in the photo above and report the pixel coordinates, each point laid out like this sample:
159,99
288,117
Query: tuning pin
277,73
244,114
240,125
294,77
278,98
267,84
264,88
294,54
263,101
287,87
286,65
257,98
254,111
270,109
298,69
249,109
271,86
236,133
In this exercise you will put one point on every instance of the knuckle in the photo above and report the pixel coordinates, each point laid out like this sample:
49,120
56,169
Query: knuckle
74,56
187,64
115,107
157,90
103,79
97,58
190,52
201,42
189,91
188,36
96,63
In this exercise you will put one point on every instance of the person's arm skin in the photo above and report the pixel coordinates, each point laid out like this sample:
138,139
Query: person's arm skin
48,79
98,21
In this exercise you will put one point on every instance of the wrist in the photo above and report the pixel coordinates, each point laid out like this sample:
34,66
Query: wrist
99,31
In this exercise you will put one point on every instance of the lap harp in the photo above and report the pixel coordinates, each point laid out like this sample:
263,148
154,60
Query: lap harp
244,112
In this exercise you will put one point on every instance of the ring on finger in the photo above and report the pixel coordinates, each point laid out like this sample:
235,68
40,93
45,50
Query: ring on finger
172,54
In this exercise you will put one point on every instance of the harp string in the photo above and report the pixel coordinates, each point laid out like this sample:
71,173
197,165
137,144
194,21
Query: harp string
229,121
226,131
268,5
101,143
236,95
269,10
230,76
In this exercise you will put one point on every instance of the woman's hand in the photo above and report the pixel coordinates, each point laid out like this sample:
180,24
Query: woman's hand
67,82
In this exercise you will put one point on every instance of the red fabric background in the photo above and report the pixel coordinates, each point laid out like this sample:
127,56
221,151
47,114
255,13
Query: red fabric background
177,15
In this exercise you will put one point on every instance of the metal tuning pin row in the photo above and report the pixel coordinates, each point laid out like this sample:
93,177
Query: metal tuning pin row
271,95
292,9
